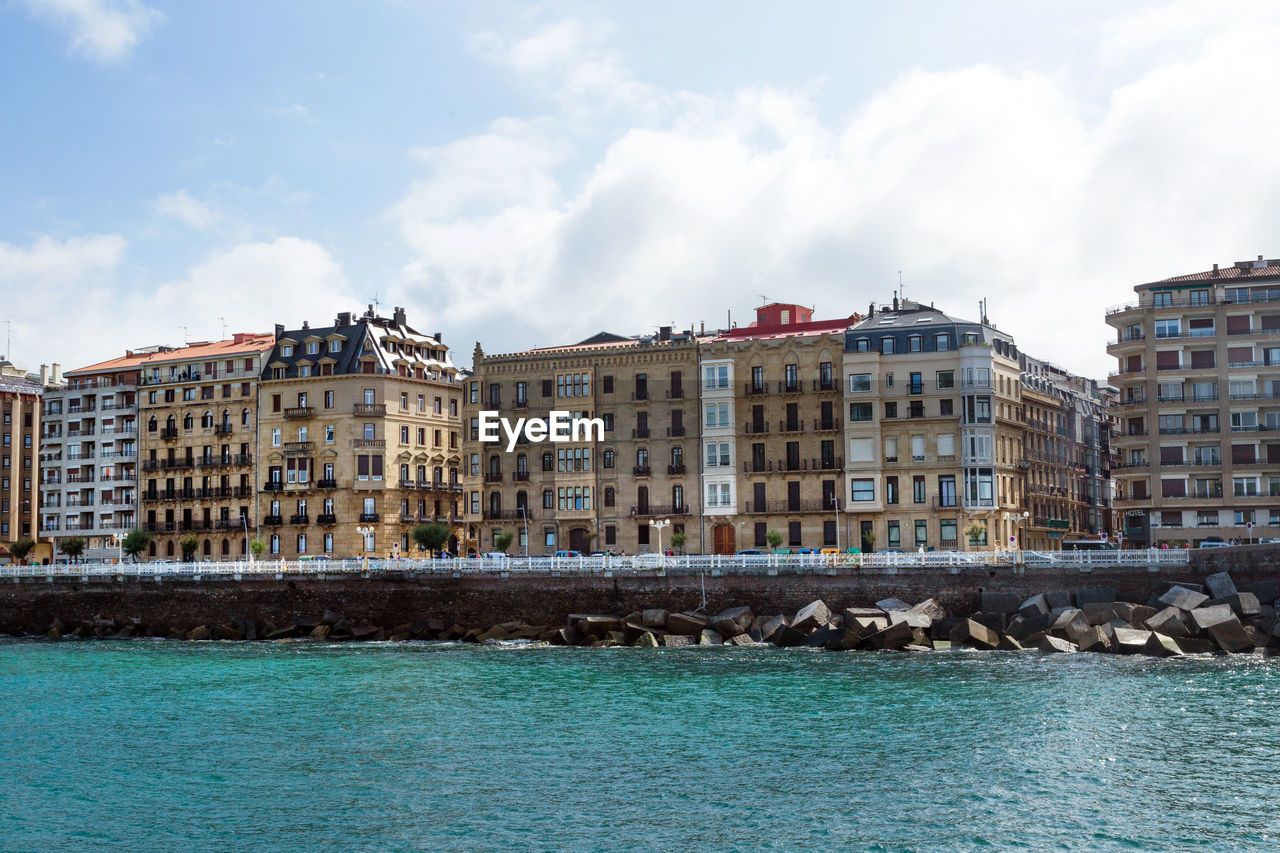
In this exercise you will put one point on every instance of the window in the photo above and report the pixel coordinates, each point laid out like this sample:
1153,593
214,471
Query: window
863,490
895,535
718,454
947,491
890,410
946,379
860,412
328,434
609,458
275,436
922,532
886,346
941,342
917,489
890,490
978,534
915,343
859,382
286,350
717,415
1162,298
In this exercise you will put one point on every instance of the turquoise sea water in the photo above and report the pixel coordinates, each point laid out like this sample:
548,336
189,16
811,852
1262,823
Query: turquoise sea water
167,746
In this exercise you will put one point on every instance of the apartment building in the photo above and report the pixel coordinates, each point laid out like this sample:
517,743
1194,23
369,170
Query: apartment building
772,431
20,418
588,495
360,438
1199,406
934,432
1067,449
198,432
89,455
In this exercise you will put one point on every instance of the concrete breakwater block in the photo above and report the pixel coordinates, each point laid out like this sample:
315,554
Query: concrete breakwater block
1131,641
733,621
685,624
931,608
1034,606
654,618
1161,646
1220,585
1183,598
1000,602
1169,622
815,614
1205,618
1053,645
892,604
1243,604
973,633
1230,635
1267,591
1094,639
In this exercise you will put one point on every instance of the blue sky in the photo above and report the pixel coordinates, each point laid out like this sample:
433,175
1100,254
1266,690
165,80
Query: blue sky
524,175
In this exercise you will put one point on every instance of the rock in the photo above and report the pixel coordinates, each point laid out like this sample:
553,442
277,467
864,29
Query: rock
1058,598
851,613
742,640
596,626
710,637
200,632
1009,644
733,621
1102,595
1000,602
331,617
646,641
1265,590
320,632
815,614
819,637
1220,585
615,638
368,632
896,636
1034,606
1053,645
226,632
788,637
910,617
890,604
1022,628
566,637
1094,639
1134,614
865,626
495,633
1206,617
1099,613
1196,645
1131,641
931,608
1161,646
997,622
973,633
1168,622
771,627
672,641
1070,624
685,624
1243,604
1230,635
1183,598
654,618
941,628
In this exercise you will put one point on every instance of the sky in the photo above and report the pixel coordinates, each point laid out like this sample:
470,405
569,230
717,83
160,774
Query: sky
524,175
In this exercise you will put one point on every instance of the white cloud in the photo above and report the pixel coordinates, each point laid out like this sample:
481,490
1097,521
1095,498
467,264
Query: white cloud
78,311
976,182
181,206
297,111
103,30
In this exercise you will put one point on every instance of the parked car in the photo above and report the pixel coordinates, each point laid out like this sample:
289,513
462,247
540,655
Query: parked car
568,554
752,557
1209,544
1270,540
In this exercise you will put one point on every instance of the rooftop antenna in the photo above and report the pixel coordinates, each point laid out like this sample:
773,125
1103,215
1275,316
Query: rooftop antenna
902,289
185,341
224,327
376,303
8,339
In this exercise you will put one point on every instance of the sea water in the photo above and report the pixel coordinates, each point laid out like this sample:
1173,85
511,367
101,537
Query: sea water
162,746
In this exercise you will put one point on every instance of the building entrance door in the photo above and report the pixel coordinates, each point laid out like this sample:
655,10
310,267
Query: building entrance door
724,539
578,539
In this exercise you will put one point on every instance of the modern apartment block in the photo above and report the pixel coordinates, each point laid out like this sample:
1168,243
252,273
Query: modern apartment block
1199,383
360,438
1067,455
588,495
934,432
772,431
198,432
20,413
89,456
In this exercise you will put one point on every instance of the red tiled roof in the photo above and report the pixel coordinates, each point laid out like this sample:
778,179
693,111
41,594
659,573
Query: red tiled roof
239,345
789,330
1242,272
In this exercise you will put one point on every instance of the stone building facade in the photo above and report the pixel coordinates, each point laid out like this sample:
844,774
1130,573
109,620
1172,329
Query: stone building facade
198,432
20,426
1199,406
360,439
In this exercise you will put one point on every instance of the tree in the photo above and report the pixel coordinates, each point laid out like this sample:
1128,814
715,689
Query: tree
678,541
189,544
868,540
977,533
774,538
135,542
430,536
20,549
74,547
503,541
257,547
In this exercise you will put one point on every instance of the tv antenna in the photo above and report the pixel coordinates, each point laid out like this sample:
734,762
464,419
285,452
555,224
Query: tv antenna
224,327
764,300
185,337
902,288
8,339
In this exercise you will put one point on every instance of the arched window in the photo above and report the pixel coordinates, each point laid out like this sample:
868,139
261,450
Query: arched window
153,424
170,423
151,549
226,418
495,504
244,417
168,548
226,547
206,420
207,549
608,496
188,421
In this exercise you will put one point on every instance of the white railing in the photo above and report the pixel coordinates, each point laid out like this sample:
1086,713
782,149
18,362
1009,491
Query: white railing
642,563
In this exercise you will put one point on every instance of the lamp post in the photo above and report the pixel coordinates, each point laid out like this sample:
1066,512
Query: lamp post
524,517
365,533
658,524
118,538
244,519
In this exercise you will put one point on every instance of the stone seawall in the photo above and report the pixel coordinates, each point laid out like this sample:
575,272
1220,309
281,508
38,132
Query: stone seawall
472,600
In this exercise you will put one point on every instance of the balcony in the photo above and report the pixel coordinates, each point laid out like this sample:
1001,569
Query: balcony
660,510
273,486
223,429
755,428
828,384
159,526
640,432
169,433
493,477
272,520
675,470
368,517
827,425
641,471
640,394
751,390
299,519
299,446
517,477
326,484
408,484
516,514
358,443
791,426
675,432
326,518
369,409
783,507
302,412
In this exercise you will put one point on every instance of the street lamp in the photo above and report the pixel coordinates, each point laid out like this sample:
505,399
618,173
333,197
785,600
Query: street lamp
118,538
658,524
365,533
524,516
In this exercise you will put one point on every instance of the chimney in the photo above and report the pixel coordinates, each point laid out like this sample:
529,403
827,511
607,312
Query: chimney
306,324
871,309
1215,271
279,331
895,300
664,333
56,376
399,316
44,374
439,336
702,327
344,319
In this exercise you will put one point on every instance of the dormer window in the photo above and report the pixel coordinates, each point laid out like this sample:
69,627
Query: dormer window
335,346
313,347
286,350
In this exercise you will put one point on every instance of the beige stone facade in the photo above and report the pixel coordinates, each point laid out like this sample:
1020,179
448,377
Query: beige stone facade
20,427
360,440
588,495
